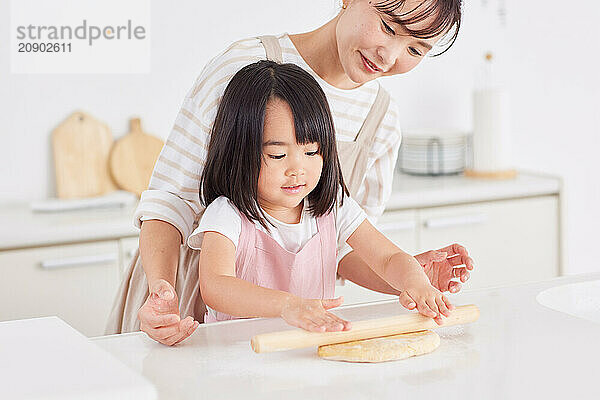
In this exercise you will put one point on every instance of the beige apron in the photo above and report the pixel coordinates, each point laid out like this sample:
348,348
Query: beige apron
134,288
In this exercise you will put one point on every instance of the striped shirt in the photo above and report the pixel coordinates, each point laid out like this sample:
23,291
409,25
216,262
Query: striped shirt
173,192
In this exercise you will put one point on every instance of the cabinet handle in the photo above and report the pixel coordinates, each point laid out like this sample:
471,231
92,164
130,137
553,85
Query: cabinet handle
79,261
131,252
391,227
445,222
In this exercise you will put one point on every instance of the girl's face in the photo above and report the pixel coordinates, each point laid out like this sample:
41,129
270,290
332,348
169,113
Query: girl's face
370,45
289,171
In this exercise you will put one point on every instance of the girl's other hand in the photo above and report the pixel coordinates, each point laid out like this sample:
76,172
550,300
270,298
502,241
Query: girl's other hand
429,301
312,314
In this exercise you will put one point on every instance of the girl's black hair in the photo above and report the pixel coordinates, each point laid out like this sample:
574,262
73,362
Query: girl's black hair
235,149
447,15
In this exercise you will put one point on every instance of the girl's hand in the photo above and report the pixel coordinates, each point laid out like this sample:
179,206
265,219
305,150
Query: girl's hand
428,300
312,315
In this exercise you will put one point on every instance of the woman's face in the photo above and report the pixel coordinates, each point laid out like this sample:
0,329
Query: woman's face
370,45
289,171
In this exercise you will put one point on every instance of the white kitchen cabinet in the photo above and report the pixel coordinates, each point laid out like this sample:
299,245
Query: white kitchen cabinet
510,241
76,282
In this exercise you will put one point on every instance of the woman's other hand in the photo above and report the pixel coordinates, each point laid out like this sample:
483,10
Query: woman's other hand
442,265
159,316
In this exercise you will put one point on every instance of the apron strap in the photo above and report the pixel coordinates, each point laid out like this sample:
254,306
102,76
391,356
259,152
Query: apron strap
354,155
367,131
272,47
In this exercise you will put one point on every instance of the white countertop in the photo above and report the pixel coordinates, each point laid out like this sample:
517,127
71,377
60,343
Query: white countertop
411,191
22,228
517,349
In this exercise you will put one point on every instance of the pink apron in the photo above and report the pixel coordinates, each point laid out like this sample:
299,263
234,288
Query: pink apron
310,273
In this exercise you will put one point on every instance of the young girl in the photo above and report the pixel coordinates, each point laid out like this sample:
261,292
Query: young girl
278,209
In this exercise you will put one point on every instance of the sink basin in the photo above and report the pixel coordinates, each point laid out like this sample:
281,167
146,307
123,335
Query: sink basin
578,299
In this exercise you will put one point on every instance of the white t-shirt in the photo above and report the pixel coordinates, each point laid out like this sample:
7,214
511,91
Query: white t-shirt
221,216
173,195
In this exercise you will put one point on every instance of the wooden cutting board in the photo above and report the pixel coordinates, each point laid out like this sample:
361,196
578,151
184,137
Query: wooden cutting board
133,157
81,146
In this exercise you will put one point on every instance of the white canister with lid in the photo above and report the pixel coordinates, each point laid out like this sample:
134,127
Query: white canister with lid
492,155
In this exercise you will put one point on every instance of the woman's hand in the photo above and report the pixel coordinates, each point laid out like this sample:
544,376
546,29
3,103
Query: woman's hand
159,316
442,265
312,315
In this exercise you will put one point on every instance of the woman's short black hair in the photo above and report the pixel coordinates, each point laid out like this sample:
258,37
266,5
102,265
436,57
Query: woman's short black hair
447,15
235,149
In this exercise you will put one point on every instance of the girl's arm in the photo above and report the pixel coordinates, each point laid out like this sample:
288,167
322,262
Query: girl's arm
353,268
223,291
399,269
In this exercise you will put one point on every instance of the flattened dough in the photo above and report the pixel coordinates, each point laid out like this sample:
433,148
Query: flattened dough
388,348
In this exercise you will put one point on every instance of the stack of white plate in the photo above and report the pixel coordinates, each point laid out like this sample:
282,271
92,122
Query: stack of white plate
434,152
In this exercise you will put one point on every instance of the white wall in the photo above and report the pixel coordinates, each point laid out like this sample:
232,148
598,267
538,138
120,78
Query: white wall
551,74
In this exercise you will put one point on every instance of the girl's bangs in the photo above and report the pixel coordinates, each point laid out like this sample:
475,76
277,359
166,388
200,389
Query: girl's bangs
445,14
311,119
310,131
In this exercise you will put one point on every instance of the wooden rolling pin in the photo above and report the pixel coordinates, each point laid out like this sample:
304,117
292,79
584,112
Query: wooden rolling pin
295,339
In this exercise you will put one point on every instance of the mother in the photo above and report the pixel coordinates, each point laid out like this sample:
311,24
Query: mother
366,40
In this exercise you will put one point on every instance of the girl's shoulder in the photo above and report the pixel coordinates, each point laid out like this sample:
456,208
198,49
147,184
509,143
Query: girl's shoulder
346,208
221,207
220,216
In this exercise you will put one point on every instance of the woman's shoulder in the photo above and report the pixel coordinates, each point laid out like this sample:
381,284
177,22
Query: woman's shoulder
221,68
243,51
